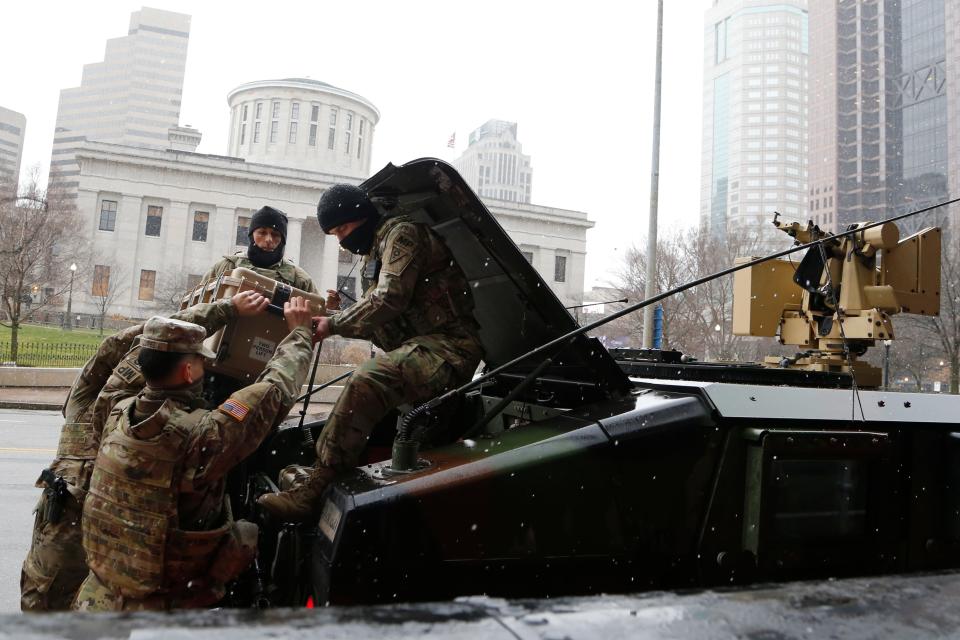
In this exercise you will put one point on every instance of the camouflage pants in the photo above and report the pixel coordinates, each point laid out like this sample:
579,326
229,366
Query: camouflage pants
94,595
410,374
55,565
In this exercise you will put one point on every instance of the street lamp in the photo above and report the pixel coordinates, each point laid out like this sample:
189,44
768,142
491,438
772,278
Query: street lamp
69,320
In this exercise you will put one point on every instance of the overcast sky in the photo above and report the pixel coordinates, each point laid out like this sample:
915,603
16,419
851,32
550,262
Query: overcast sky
577,77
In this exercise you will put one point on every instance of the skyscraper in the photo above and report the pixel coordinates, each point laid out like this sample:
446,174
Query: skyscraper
494,164
753,158
132,97
13,125
880,142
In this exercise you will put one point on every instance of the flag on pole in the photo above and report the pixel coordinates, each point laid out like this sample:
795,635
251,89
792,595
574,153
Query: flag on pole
452,141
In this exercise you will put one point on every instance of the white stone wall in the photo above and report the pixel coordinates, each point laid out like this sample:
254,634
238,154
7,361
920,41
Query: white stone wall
226,188
344,126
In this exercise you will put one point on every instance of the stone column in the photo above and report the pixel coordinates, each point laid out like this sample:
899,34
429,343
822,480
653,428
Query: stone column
175,237
294,234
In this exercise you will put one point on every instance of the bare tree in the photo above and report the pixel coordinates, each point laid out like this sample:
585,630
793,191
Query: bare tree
169,291
944,329
698,320
38,234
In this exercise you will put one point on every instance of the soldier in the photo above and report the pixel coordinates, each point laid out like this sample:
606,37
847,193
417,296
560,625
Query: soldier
267,236
417,307
157,527
55,564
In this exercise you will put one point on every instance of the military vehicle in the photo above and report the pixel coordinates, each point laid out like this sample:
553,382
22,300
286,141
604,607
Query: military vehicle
570,469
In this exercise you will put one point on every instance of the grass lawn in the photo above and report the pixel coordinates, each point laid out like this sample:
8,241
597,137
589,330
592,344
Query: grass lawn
34,334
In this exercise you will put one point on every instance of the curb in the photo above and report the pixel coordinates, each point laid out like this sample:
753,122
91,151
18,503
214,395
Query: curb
30,406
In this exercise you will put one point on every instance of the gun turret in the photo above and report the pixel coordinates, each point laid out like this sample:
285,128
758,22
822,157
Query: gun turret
838,301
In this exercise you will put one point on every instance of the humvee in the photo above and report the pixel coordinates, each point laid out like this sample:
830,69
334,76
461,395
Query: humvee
570,469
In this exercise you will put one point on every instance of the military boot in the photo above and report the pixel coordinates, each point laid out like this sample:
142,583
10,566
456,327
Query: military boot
302,501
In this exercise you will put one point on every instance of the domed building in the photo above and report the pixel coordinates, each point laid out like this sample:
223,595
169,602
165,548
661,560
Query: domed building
302,124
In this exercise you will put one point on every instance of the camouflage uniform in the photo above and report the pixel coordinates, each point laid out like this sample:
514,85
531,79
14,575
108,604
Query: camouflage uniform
284,271
157,528
417,307
55,564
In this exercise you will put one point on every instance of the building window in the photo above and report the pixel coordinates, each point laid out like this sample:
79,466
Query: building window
332,133
244,117
148,282
256,132
101,281
154,220
360,138
258,111
243,226
346,145
528,256
200,221
108,215
243,133
275,113
294,110
292,138
274,130
560,269
314,116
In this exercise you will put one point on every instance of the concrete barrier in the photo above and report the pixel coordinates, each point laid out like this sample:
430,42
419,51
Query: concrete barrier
37,377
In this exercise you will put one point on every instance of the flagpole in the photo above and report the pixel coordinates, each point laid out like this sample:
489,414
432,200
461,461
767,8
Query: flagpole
651,283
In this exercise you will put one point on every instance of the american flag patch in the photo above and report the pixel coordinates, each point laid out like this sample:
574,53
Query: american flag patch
235,408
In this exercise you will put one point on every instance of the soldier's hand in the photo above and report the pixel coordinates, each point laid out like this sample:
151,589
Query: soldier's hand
249,303
297,313
321,328
333,300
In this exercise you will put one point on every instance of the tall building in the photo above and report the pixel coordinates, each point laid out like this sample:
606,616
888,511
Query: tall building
754,158
494,164
131,98
880,142
13,125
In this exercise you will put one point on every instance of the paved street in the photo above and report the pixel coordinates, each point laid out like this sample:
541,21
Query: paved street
28,441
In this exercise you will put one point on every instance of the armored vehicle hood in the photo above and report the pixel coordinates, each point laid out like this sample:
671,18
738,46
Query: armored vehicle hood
516,309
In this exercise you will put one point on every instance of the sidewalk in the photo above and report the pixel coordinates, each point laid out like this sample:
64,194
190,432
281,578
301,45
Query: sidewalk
51,399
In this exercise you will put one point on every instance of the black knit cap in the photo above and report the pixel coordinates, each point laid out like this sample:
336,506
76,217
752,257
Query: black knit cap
343,203
269,217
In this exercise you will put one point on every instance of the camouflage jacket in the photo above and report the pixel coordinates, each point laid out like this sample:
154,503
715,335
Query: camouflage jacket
413,292
284,271
111,375
159,478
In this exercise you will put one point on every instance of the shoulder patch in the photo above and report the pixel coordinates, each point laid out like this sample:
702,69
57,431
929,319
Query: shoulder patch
127,372
235,408
401,246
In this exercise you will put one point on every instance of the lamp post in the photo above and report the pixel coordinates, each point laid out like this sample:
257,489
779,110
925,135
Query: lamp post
68,317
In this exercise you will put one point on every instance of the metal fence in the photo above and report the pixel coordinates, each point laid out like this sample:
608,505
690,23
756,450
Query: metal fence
43,354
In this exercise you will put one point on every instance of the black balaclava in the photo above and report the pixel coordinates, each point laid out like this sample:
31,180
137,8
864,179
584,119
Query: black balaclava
274,219
344,203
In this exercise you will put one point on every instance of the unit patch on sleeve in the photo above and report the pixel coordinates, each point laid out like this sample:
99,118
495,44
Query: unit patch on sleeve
235,408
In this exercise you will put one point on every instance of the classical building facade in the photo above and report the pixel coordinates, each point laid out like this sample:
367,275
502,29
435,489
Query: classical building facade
754,157
13,126
158,215
132,97
151,243
494,164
